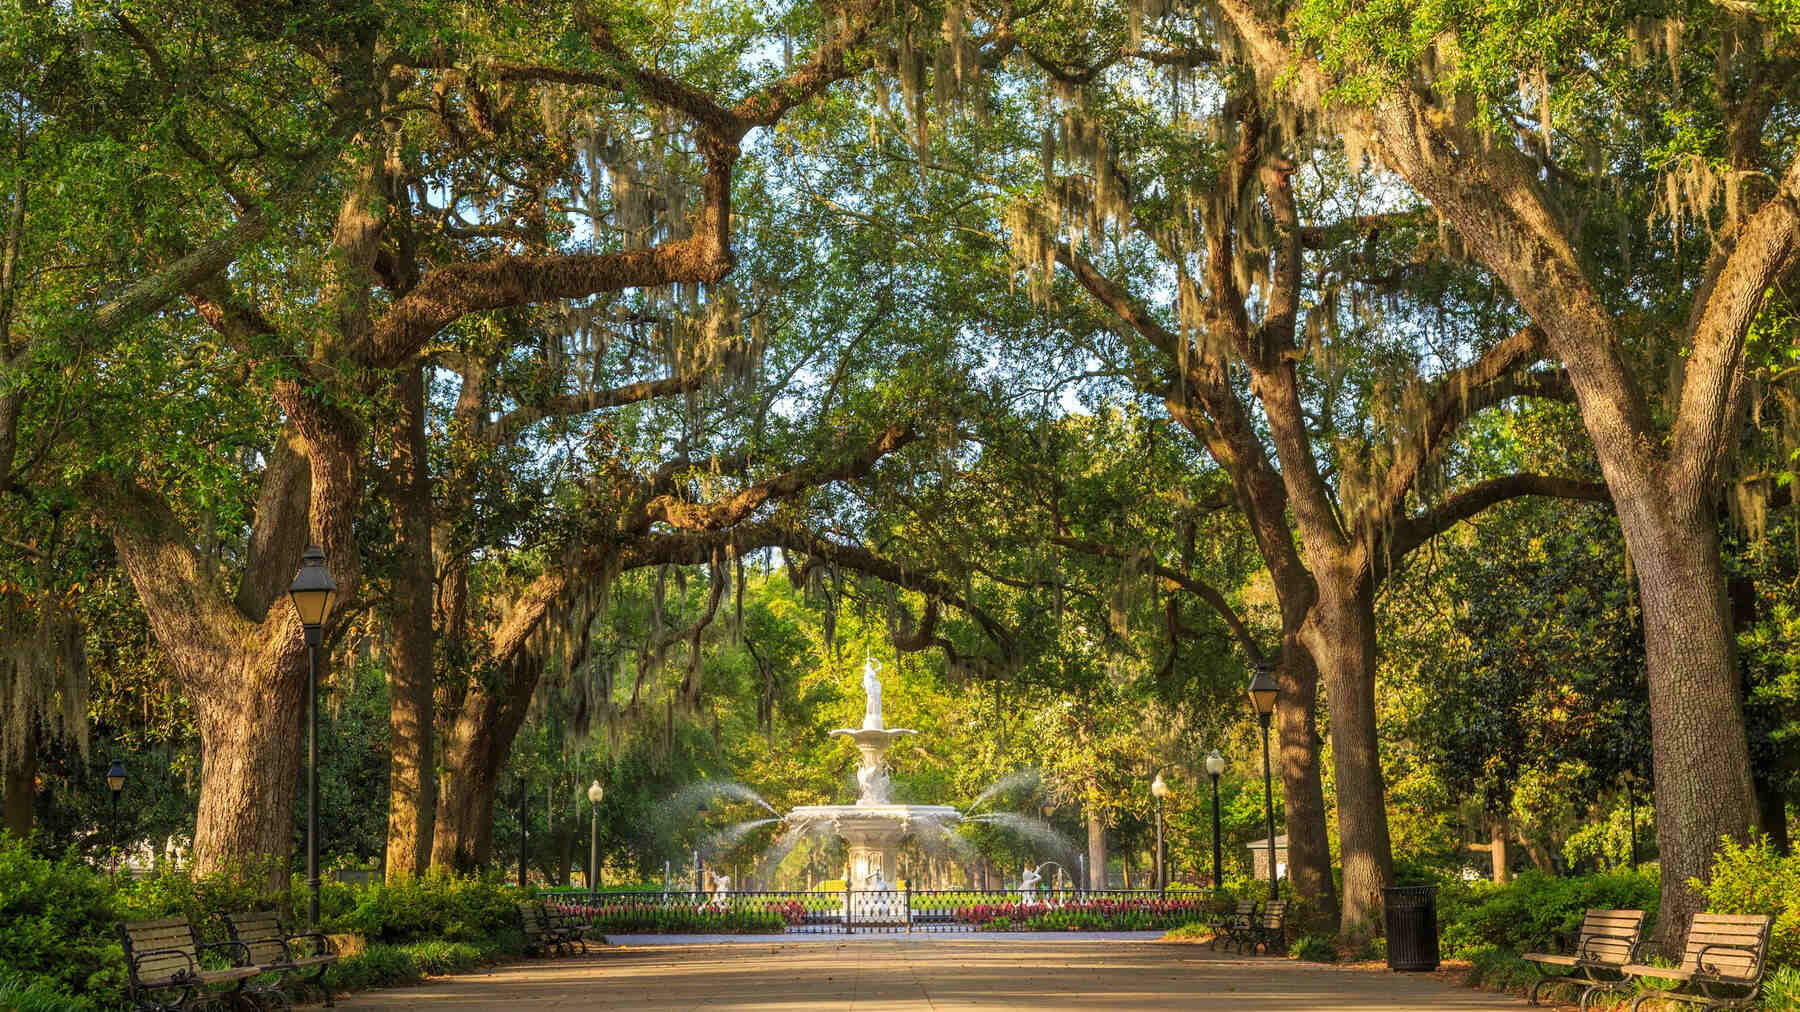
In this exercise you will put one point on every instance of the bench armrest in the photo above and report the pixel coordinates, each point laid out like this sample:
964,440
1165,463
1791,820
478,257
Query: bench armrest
1756,962
321,946
239,953
139,955
1631,953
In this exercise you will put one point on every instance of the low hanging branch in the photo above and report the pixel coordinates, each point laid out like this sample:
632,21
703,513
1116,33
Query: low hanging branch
1175,579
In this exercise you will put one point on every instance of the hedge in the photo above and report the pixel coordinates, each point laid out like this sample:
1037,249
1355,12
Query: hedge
59,947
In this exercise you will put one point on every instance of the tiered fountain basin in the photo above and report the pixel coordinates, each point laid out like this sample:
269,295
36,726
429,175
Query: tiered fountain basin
873,833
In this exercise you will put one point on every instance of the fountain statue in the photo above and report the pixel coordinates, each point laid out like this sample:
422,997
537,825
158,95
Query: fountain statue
872,695
1028,883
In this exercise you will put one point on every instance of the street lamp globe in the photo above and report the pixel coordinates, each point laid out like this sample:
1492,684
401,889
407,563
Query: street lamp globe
1159,787
1215,763
115,776
595,792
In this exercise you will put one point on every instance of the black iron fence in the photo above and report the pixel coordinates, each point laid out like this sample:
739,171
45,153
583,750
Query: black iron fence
888,910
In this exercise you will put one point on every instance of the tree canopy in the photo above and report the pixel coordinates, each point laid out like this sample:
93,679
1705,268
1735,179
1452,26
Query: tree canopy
640,368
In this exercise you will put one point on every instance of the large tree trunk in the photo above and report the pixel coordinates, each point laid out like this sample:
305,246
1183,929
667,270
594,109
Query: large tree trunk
1096,852
21,784
1302,793
462,838
412,780
474,748
1497,848
1702,761
1341,635
251,746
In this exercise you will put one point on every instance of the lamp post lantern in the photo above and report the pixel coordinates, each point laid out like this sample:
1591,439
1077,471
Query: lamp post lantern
594,792
115,783
312,592
1215,765
1262,696
1160,789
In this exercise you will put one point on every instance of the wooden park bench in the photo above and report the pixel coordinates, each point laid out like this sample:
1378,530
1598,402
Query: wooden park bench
305,956
1268,929
165,966
1722,964
1605,943
1230,928
548,933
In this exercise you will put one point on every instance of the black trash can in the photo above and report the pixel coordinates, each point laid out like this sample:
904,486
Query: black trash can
1412,929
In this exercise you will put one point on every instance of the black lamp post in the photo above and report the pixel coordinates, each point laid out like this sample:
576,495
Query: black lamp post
524,830
115,782
1262,695
1215,765
1160,788
312,592
1631,813
594,792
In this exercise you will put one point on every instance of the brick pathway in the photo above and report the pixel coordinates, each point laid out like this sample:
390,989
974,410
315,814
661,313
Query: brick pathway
1037,974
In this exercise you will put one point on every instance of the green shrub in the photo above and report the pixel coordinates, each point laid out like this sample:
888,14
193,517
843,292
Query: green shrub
1528,913
1781,991
376,966
506,943
16,995
1315,949
444,957
1753,878
56,927
1499,969
175,893
433,907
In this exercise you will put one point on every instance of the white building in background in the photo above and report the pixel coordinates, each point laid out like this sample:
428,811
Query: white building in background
1259,856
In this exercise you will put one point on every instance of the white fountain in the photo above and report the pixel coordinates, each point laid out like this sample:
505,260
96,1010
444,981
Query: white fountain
874,828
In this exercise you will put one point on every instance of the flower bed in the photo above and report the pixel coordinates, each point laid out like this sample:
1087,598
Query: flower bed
1135,914
725,916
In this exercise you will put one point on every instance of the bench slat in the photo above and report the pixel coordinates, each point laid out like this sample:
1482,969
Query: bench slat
160,933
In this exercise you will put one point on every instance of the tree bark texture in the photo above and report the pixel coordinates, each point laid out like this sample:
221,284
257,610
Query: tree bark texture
1701,757
1497,848
1302,789
475,745
412,778
1096,852
250,748
246,675
1341,636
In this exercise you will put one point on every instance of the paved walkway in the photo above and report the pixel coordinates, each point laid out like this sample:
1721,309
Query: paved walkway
891,975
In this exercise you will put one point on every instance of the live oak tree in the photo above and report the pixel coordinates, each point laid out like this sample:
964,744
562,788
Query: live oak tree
384,274
1522,131
1259,289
